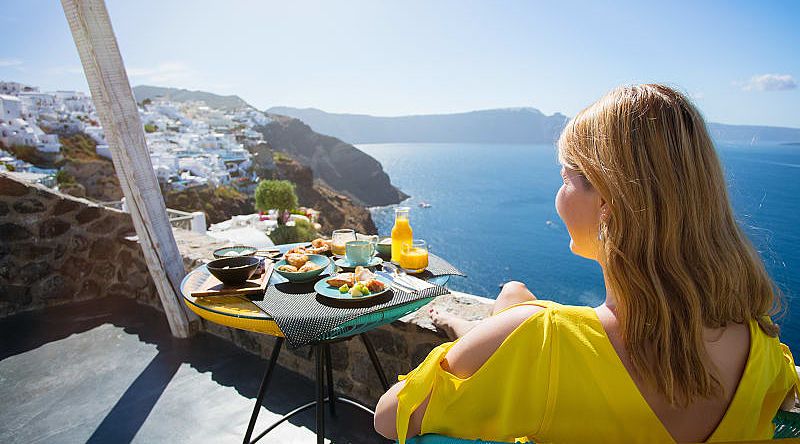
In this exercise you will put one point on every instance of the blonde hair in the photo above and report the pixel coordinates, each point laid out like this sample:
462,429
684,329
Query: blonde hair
673,255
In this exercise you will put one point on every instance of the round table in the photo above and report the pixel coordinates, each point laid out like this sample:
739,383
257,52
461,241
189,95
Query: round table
239,312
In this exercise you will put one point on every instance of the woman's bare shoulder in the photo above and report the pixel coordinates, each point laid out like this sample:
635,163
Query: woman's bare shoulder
474,349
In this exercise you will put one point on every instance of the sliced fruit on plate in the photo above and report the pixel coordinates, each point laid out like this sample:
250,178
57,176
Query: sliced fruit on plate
375,285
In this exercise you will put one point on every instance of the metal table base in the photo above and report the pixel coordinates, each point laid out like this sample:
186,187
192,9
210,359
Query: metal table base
322,352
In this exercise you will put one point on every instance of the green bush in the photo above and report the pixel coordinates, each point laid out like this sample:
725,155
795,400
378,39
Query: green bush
150,128
278,156
302,231
63,178
277,194
228,192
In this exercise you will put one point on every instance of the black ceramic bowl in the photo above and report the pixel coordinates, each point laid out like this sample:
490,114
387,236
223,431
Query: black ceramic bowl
233,270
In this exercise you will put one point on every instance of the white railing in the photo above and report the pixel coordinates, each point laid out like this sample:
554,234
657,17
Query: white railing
193,221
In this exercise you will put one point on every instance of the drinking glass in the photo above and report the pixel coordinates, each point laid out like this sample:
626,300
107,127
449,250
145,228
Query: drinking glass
414,258
339,239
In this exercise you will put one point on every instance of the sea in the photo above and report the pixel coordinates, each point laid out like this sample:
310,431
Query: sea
492,214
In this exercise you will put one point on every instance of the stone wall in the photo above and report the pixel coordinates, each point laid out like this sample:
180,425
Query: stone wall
55,249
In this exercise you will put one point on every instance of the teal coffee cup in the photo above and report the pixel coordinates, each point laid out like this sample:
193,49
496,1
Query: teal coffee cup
360,252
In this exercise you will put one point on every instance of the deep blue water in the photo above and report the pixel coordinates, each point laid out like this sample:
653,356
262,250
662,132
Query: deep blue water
493,215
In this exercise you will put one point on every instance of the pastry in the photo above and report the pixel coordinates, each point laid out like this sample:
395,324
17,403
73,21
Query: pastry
289,268
308,266
342,279
297,250
319,242
296,259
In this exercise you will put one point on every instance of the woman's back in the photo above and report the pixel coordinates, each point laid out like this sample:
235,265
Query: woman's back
558,378
728,350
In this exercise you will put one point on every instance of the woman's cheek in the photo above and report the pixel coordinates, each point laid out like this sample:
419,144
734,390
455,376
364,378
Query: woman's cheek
560,202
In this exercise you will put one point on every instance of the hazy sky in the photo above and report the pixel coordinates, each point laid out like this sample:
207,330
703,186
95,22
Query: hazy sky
740,61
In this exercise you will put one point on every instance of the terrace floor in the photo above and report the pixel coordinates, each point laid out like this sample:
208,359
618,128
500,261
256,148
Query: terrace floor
109,371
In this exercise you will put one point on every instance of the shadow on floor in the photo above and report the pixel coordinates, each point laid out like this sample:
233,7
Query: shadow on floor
227,365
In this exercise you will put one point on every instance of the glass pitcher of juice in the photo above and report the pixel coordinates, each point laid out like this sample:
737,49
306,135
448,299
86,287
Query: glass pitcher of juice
401,233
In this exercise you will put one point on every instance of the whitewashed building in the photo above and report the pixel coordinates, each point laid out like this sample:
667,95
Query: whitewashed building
10,107
14,88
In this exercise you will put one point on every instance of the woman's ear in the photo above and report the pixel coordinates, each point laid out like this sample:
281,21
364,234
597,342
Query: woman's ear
605,210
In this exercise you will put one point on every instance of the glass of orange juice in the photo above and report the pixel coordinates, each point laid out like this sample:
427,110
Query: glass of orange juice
414,258
339,239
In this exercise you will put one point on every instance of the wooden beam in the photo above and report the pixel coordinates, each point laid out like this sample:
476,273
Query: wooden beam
119,115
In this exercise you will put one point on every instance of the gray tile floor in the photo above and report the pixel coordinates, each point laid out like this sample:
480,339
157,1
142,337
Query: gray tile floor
109,371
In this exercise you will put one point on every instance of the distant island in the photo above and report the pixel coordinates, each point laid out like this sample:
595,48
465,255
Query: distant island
508,125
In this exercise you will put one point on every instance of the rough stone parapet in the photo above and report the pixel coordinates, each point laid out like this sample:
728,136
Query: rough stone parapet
56,249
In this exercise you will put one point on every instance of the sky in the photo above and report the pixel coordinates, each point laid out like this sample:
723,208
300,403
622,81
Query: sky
739,61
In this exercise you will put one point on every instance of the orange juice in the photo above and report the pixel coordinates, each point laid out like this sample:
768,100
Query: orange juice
338,249
401,233
339,239
415,259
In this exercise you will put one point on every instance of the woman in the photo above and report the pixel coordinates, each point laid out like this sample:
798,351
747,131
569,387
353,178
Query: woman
683,348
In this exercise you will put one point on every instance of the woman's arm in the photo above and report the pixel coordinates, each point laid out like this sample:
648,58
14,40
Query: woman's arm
386,414
466,356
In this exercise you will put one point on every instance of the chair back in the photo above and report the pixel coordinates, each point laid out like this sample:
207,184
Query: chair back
787,425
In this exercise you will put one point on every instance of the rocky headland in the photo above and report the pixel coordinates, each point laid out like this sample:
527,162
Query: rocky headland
340,165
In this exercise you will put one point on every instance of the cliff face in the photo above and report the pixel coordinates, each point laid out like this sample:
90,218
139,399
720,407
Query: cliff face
341,166
84,173
222,203
219,203
336,210
95,174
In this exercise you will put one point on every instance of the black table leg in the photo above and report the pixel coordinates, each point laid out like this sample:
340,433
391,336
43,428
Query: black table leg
320,350
375,362
329,371
276,350
323,359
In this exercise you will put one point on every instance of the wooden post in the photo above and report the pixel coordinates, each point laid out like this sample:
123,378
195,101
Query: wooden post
119,115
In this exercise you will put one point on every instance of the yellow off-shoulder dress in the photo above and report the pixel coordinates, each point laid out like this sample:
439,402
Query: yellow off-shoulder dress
557,378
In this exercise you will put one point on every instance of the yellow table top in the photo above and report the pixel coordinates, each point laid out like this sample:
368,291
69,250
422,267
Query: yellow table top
232,311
